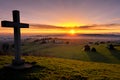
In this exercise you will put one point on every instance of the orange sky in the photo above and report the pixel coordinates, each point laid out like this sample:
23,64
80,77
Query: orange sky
66,16
80,16
42,29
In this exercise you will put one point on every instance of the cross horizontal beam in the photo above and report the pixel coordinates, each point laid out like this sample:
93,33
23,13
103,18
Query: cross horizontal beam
14,24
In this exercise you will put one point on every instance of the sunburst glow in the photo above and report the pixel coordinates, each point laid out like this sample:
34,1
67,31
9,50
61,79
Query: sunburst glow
72,32
70,24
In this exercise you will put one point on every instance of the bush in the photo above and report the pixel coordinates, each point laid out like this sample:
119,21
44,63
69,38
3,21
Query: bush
86,48
93,49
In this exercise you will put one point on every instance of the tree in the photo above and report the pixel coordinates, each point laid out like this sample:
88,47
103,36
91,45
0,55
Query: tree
86,48
93,49
5,47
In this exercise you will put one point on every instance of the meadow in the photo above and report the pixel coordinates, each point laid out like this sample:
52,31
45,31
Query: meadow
75,50
65,59
48,68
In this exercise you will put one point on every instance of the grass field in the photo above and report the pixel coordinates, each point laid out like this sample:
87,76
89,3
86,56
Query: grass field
60,69
65,62
74,50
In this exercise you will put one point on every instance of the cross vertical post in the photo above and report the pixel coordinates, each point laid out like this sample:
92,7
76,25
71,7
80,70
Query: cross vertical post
17,36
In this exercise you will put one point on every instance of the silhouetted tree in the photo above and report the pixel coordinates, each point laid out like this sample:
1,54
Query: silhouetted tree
111,47
86,48
108,41
43,41
37,40
53,41
96,43
90,42
102,42
5,47
93,49
67,42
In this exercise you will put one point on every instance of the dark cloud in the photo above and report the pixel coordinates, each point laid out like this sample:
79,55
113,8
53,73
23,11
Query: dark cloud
86,27
41,26
110,25
99,26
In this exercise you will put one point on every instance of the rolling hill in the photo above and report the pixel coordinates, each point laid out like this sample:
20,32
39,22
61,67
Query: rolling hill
60,69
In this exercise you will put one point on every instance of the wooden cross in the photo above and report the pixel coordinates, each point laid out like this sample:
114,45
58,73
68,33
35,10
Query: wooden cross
17,36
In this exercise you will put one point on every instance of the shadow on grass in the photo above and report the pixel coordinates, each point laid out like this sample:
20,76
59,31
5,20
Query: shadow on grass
97,57
35,73
25,74
115,53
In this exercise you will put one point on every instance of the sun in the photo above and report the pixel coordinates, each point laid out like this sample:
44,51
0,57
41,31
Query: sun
72,31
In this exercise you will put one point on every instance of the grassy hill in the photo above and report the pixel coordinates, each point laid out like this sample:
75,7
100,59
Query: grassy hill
60,69
74,51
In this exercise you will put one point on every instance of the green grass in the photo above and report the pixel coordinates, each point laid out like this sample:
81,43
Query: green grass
60,69
65,62
76,52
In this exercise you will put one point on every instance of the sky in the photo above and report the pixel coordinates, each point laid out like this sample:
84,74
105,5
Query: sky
65,16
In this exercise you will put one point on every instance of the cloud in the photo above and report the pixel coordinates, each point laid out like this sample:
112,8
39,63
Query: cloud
44,26
115,19
99,26
86,27
109,25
